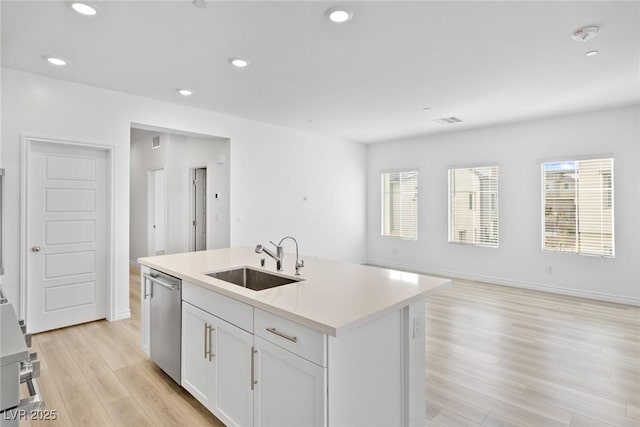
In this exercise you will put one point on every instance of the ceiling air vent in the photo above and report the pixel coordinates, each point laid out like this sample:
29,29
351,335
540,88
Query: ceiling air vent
155,143
447,120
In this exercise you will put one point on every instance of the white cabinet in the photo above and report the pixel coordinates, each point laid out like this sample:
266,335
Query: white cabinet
289,390
232,352
275,378
216,365
197,369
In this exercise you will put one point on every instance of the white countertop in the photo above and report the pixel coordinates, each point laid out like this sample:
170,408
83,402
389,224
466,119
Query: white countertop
333,296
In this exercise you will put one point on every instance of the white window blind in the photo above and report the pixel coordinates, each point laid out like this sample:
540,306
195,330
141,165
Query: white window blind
400,204
473,205
578,206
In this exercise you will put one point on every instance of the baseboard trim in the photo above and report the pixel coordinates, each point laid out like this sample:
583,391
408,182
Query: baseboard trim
125,314
512,283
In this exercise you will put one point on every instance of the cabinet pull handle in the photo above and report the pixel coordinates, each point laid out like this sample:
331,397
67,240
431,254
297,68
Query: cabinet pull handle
253,366
211,337
280,334
207,349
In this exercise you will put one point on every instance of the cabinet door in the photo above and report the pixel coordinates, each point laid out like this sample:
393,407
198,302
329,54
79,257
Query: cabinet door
196,368
232,351
290,390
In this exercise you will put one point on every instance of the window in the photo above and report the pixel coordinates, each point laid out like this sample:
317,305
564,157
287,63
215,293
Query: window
473,205
578,206
400,204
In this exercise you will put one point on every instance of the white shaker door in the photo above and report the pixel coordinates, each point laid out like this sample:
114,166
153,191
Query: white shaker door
290,391
66,252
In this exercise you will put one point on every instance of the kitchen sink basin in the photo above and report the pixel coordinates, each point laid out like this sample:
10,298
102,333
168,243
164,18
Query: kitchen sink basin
252,279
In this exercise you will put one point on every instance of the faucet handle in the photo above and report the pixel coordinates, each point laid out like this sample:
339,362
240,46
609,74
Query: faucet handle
279,249
299,265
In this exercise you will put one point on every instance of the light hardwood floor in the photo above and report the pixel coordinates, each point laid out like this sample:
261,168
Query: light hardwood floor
496,356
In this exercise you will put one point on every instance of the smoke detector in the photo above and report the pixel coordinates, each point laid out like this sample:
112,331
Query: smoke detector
585,33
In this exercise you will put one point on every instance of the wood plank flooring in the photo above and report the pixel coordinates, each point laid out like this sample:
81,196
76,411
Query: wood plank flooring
95,374
496,356
500,356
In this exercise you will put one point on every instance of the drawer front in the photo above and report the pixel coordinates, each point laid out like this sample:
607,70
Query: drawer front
234,312
291,336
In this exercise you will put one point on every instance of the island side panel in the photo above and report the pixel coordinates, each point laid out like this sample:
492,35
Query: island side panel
145,312
414,364
366,374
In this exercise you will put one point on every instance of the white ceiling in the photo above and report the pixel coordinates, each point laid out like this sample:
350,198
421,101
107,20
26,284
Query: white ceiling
367,80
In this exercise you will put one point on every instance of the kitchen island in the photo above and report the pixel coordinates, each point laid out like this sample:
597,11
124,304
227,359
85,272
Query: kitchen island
344,345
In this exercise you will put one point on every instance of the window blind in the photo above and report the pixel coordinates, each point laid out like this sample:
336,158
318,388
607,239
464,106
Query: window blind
400,204
473,205
578,206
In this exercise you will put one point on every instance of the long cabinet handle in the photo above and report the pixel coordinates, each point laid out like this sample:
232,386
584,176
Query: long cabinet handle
283,335
207,348
211,338
253,368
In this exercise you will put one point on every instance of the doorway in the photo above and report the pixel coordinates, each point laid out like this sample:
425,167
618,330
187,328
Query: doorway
199,209
156,209
179,153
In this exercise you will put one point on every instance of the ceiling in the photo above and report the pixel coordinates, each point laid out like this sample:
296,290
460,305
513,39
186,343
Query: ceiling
366,80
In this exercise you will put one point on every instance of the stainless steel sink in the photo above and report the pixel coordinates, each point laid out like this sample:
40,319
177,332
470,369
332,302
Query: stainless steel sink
252,279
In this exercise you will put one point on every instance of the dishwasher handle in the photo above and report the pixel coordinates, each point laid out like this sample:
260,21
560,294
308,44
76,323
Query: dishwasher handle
167,285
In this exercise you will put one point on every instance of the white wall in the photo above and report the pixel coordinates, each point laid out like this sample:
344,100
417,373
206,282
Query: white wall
272,168
519,150
178,154
142,159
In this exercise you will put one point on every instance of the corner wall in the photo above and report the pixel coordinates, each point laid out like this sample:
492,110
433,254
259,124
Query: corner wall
518,149
272,170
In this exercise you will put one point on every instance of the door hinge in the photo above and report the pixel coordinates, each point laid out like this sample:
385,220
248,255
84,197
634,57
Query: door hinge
194,222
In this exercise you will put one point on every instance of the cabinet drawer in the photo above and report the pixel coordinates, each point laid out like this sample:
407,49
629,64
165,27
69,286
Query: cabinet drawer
234,312
291,336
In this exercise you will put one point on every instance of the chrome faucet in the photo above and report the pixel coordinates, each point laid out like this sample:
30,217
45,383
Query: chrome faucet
279,255
299,263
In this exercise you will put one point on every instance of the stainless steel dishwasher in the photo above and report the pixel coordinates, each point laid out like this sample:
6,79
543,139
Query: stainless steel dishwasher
165,292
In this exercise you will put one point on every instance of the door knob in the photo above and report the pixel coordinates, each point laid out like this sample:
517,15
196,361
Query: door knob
35,248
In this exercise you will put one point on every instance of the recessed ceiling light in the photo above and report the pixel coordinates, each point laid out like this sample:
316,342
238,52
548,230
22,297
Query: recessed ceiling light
84,8
339,14
55,61
185,92
591,53
200,3
238,62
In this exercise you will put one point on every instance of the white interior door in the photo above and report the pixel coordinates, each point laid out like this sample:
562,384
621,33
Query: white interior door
66,259
157,209
200,208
